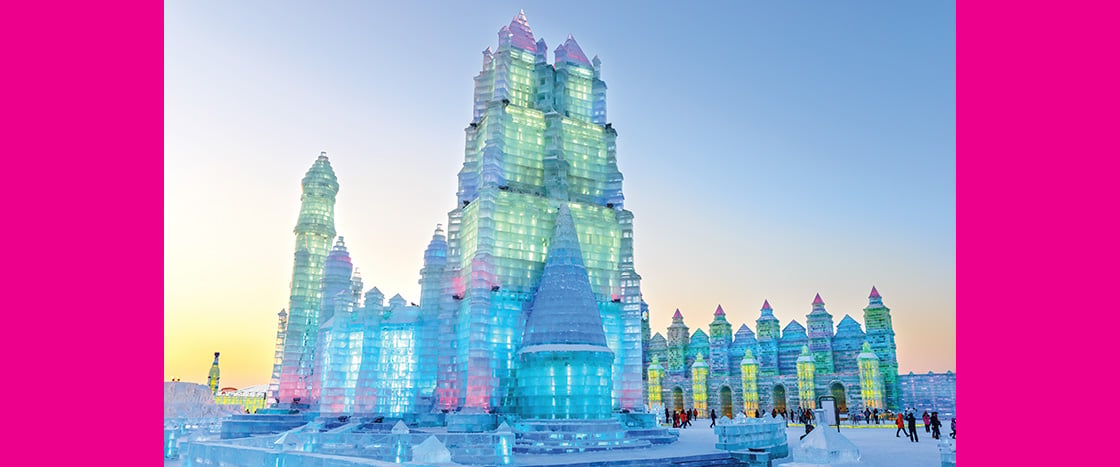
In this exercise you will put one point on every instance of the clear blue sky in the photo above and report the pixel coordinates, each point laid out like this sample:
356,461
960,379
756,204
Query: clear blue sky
770,151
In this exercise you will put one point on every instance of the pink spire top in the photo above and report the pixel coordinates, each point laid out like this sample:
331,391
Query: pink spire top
719,310
766,305
522,34
818,301
874,293
678,315
569,51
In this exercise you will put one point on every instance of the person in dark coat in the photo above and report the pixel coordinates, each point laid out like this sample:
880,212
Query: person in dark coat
667,416
713,415
953,426
758,415
867,415
936,425
875,414
911,424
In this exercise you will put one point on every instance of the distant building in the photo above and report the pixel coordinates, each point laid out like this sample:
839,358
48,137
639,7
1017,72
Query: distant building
249,399
931,391
777,370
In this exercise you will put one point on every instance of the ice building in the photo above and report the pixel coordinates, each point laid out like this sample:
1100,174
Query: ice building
930,391
775,368
538,140
291,375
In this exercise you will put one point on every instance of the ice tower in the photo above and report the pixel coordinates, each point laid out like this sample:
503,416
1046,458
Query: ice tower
538,140
215,374
769,331
819,322
880,334
314,233
565,365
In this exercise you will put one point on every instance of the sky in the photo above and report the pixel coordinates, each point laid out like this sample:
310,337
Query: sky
770,151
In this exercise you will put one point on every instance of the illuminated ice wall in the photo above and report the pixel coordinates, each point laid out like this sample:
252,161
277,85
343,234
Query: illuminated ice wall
538,139
314,233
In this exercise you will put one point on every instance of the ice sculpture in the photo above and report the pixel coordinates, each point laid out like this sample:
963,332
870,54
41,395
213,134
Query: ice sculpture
774,377
806,384
700,383
565,370
215,374
871,381
538,140
819,323
749,372
314,233
768,335
880,333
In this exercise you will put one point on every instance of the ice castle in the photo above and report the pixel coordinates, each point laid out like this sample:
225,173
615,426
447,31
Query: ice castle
777,368
533,279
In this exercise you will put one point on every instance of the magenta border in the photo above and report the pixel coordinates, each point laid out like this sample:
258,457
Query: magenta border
83,210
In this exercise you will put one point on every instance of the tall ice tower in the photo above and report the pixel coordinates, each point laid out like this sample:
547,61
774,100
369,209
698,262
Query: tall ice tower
314,233
538,140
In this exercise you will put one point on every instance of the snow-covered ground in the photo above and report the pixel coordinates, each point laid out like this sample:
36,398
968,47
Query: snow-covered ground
878,447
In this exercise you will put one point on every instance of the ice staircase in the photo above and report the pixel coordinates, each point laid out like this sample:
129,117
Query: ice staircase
566,436
245,425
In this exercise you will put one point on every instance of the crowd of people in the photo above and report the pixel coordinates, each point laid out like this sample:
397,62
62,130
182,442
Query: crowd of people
907,425
906,421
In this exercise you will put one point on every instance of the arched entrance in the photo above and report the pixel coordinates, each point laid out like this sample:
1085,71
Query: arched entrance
725,402
837,390
779,398
678,398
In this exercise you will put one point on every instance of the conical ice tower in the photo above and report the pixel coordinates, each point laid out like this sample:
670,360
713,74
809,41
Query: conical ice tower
565,365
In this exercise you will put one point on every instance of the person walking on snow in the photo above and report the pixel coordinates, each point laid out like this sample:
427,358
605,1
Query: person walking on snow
953,425
713,415
901,427
911,422
925,420
867,415
936,425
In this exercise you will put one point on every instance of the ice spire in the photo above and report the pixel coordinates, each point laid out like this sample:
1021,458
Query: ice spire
677,315
719,311
564,309
314,233
337,275
570,52
875,299
521,35
766,310
817,301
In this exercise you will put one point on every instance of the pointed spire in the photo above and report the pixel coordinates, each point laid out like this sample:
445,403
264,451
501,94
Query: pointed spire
570,52
818,301
719,311
766,305
564,310
874,293
677,315
521,33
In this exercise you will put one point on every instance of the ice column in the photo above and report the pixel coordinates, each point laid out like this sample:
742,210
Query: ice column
870,379
700,384
314,233
749,369
880,334
806,372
